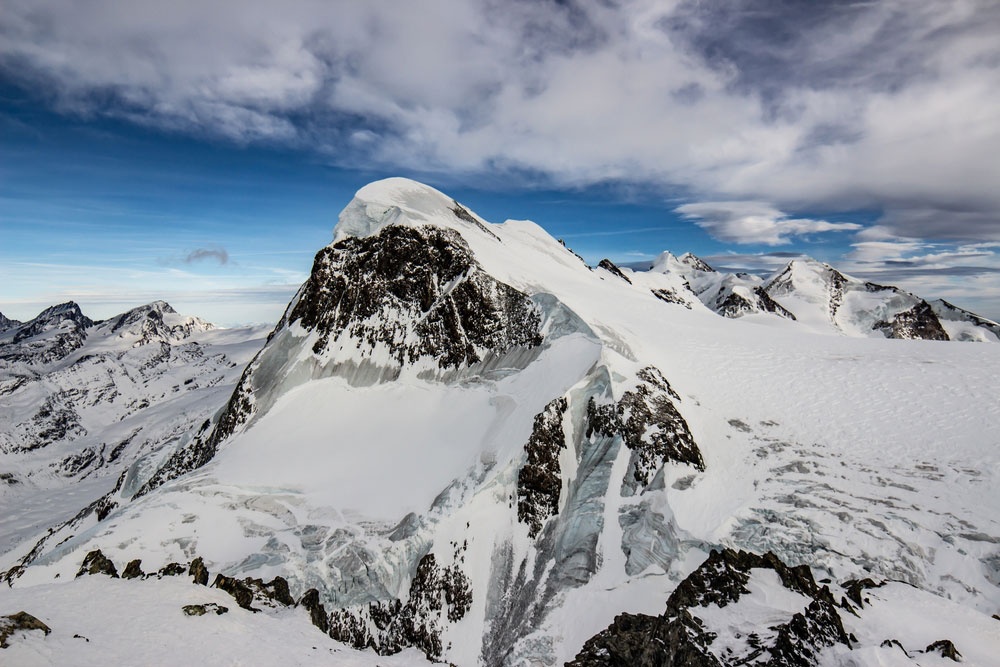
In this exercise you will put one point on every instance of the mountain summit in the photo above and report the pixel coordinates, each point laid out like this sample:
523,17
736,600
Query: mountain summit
462,441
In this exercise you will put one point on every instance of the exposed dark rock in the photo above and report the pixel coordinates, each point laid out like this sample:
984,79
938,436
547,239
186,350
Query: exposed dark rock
539,481
582,260
97,563
735,305
945,648
609,266
670,296
199,571
133,570
248,591
422,279
637,640
649,425
317,612
918,322
894,642
21,621
202,609
462,213
171,570
242,593
277,590
855,589
678,637
392,626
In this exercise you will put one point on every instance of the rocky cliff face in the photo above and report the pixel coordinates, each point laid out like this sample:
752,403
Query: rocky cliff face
710,619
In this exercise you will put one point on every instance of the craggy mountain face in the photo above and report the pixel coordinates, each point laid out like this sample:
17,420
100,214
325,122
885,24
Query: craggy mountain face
82,402
461,440
7,323
824,300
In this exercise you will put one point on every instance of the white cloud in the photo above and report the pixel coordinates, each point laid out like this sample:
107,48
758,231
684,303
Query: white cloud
755,222
888,104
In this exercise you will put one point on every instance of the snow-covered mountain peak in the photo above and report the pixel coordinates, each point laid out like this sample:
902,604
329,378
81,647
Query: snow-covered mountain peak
695,262
667,262
54,333
402,202
153,322
808,278
62,317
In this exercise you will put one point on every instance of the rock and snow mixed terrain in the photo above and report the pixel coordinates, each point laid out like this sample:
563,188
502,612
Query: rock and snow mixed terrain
82,402
462,443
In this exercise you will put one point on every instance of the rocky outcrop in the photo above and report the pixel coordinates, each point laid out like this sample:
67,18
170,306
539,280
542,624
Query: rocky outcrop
202,609
650,426
20,622
317,612
249,591
610,267
199,572
945,648
96,562
733,304
416,291
133,570
171,570
917,323
436,596
539,481
682,636
670,296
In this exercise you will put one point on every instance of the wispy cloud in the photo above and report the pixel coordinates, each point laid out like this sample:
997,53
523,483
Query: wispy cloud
755,222
218,254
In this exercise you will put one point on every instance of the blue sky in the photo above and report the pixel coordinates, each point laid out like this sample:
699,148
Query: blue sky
200,153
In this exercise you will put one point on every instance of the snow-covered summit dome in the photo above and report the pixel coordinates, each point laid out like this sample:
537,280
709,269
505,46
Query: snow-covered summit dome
401,201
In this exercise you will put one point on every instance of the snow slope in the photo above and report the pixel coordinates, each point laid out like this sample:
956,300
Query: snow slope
376,449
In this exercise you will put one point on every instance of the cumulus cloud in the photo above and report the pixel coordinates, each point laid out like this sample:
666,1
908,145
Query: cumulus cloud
201,254
889,104
755,222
